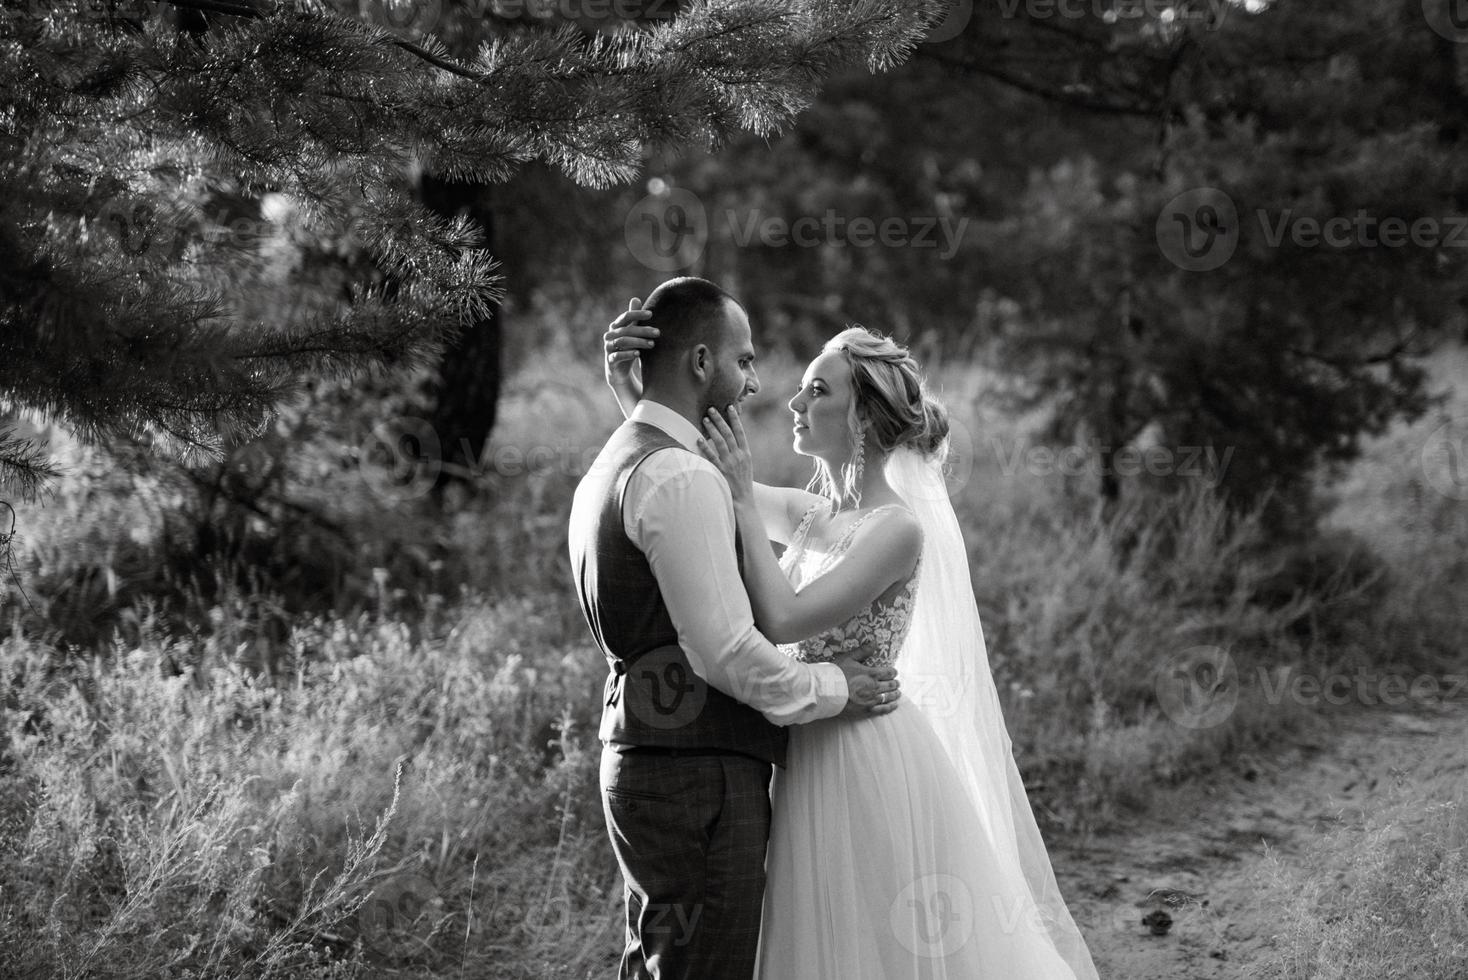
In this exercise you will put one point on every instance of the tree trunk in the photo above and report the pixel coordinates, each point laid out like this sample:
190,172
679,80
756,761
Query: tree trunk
467,387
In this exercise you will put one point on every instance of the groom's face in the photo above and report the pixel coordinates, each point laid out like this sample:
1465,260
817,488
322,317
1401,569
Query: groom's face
732,378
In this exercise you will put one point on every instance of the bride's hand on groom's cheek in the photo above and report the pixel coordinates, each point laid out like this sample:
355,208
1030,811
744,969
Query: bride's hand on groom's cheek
870,690
725,446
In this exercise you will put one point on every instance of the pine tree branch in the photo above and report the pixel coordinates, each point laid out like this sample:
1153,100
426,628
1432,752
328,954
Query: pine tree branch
238,8
112,291
242,8
24,466
1349,365
1070,98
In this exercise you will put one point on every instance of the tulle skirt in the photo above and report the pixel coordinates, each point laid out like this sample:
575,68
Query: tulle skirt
878,870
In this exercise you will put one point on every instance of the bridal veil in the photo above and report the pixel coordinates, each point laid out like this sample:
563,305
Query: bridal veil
944,668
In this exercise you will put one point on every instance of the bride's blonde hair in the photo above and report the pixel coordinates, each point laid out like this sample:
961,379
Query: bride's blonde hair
889,399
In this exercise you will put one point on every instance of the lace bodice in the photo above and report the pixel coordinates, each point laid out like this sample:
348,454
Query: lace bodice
880,628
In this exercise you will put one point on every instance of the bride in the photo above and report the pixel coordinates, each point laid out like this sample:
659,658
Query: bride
904,846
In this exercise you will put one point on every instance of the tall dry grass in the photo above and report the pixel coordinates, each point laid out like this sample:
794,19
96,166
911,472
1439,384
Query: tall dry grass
1407,500
1385,897
390,805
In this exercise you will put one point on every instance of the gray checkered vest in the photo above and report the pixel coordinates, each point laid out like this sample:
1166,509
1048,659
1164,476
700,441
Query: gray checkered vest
652,697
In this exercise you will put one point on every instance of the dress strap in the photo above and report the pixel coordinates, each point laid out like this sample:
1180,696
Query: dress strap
796,549
802,530
851,529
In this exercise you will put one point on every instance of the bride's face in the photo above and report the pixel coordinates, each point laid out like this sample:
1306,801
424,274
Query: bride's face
822,409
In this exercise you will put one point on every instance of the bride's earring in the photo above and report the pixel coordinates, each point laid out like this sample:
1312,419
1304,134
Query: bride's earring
854,469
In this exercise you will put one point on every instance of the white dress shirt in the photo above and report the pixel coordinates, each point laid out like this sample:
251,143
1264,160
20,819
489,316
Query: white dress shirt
678,511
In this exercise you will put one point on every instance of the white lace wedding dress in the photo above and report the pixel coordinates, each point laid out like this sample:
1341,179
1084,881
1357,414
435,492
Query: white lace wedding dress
879,867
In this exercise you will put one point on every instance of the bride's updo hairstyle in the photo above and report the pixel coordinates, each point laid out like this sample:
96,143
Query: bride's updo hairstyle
891,396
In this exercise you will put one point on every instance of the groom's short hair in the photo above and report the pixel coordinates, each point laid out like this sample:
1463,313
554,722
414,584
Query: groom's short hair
688,311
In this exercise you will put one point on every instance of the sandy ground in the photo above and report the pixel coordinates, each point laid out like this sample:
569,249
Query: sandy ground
1209,840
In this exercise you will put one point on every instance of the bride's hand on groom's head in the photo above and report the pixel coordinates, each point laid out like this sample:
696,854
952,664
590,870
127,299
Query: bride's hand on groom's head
725,446
869,690
623,343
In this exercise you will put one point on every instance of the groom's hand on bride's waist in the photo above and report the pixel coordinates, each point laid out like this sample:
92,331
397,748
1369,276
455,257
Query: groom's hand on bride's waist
869,690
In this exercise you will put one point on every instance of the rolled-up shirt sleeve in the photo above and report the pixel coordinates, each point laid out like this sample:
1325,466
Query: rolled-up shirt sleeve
678,511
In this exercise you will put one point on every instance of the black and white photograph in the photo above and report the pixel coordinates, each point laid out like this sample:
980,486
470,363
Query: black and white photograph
734,489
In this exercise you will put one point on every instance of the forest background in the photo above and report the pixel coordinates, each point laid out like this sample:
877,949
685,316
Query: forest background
300,337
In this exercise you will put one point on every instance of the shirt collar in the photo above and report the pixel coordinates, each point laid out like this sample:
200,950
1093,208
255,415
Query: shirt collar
661,416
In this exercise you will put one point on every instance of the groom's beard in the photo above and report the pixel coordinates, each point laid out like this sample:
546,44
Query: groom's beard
722,398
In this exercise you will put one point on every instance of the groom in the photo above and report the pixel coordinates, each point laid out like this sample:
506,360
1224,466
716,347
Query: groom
697,698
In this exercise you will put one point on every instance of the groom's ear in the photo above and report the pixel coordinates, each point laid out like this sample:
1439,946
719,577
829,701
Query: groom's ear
700,361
